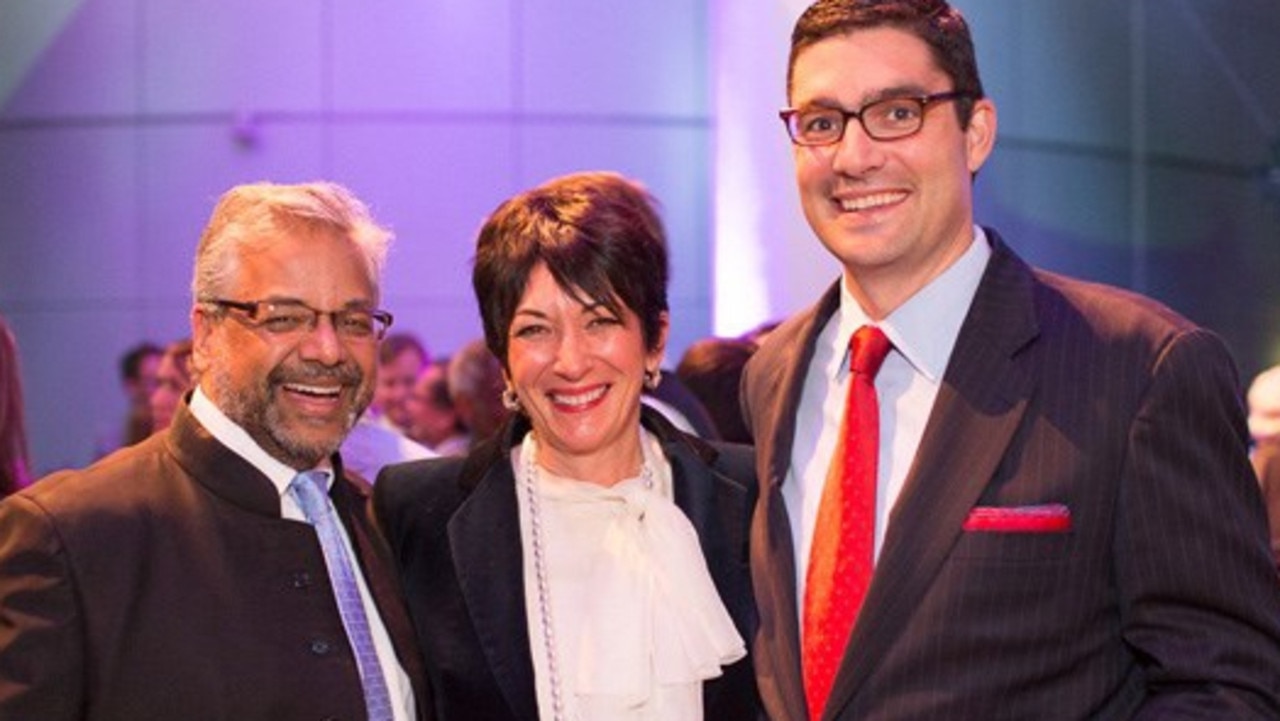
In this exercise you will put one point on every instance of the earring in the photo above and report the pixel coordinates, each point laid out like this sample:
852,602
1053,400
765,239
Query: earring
652,378
510,400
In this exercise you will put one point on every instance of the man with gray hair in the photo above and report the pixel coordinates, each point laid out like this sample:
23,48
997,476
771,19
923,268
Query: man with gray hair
225,568
475,384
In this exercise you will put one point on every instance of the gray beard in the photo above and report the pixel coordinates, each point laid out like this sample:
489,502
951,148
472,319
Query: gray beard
261,419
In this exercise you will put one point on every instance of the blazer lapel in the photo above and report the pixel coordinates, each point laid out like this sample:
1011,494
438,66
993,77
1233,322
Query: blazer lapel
714,504
984,394
773,562
488,556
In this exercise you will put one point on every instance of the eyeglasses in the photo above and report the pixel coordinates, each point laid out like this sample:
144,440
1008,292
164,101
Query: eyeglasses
887,119
287,317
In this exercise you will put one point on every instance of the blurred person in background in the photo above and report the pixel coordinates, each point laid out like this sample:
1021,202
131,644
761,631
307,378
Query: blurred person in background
380,436
712,370
401,358
434,420
475,384
173,380
1263,402
138,368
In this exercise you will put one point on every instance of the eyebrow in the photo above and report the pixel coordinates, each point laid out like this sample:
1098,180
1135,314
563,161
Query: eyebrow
896,91
354,304
595,307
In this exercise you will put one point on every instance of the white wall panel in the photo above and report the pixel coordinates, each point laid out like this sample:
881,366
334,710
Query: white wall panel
213,56
433,183
184,169
443,55
605,58
69,218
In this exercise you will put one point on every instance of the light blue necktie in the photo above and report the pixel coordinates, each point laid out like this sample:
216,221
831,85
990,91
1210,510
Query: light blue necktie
308,490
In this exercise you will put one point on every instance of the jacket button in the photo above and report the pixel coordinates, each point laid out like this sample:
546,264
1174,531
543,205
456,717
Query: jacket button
301,579
320,647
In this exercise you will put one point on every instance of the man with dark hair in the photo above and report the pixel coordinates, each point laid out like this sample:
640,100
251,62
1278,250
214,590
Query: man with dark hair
139,371
1022,496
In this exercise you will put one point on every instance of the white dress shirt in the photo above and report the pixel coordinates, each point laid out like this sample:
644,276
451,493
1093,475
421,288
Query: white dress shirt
238,440
923,331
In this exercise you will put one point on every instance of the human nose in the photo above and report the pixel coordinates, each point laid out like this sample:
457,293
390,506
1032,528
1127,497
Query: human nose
571,354
856,152
320,342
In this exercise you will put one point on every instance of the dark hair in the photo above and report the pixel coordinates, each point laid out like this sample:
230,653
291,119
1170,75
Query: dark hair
131,361
939,25
438,392
598,234
712,369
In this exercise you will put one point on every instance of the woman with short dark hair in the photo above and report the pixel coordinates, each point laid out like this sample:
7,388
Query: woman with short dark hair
589,561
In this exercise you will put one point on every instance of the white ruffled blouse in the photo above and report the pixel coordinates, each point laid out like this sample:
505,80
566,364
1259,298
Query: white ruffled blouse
636,620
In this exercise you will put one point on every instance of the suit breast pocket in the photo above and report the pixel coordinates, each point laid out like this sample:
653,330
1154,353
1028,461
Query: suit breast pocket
1000,547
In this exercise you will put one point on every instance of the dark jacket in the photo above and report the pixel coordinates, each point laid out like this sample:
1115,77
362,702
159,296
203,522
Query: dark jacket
162,583
1159,601
454,530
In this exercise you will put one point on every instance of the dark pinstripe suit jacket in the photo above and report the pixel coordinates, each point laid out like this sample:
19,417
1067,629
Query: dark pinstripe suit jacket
1160,601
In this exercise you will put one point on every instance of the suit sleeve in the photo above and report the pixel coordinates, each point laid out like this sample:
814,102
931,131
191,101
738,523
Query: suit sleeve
1266,462
1200,600
390,508
41,644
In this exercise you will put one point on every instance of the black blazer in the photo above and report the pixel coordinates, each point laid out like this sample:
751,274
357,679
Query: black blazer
162,583
1160,601
454,532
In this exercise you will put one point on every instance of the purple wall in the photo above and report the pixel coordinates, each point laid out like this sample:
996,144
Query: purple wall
122,121
1134,139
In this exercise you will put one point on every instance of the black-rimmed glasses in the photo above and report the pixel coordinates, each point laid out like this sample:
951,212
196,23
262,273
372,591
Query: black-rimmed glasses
887,119
287,317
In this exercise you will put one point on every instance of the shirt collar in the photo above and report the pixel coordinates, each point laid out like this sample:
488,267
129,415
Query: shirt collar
231,435
923,329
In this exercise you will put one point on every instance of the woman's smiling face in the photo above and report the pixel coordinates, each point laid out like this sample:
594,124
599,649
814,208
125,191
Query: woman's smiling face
579,370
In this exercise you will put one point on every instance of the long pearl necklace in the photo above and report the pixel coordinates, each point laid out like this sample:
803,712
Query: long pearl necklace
531,481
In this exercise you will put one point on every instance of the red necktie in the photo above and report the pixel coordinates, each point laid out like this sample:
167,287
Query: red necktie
842,556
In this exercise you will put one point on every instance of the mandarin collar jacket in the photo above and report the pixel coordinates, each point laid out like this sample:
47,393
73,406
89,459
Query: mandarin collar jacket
161,582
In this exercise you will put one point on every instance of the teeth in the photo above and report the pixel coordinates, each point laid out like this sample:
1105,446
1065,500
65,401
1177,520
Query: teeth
314,390
867,202
579,399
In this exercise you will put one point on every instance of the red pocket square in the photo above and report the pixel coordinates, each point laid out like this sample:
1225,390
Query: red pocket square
1046,518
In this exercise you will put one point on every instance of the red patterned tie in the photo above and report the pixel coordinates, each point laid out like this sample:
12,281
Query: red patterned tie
842,557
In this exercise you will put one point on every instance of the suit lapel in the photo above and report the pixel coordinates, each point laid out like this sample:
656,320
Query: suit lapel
985,391
488,556
713,503
773,562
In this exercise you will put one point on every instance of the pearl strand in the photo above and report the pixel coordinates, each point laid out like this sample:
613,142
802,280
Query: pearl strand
531,480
